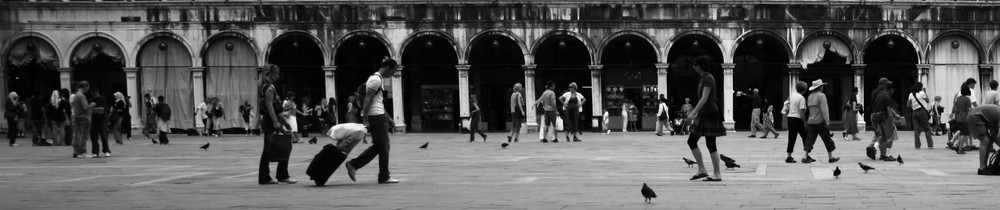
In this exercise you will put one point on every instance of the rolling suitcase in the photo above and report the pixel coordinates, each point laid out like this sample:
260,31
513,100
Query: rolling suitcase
325,163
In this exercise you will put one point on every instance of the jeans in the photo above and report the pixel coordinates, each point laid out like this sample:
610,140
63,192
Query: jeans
573,122
920,124
378,128
474,128
58,132
81,131
264,171
99,131
12,129
818,130
795,126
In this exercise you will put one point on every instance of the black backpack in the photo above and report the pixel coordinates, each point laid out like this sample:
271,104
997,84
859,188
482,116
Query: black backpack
164,112
362,92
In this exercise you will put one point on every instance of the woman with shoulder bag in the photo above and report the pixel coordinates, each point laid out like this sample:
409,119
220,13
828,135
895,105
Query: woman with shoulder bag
921,115
271,124
663,117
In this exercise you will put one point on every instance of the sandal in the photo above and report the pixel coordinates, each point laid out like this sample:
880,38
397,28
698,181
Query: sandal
710,179
699,176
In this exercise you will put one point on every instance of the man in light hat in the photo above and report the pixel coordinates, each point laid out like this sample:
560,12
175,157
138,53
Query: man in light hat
818,121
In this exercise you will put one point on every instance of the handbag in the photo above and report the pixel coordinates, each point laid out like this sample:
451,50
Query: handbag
896,117
559,123
663,116
278,147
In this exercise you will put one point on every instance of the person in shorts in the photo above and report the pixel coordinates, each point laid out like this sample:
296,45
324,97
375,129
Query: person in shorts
983,123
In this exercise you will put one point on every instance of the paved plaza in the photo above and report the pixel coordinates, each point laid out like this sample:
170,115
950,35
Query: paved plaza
603,172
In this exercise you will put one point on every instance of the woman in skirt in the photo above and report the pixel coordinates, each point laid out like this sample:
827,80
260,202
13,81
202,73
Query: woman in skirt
707,120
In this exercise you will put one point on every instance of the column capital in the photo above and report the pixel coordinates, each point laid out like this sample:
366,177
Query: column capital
923,66
859,66
662,66
596,67
728,66
463,67
197,69
794,66
529,67
70,69
127,70
329,68
986,66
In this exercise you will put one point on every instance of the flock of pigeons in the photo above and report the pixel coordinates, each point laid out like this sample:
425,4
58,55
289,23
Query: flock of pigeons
648,193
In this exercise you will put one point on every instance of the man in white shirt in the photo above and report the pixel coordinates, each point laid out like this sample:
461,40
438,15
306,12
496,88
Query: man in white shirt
378,122
199,112
991,97
795,114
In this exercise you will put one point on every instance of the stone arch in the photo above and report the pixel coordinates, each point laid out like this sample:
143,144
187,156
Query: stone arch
194,57
839,36
76,42
363,32
586,42
710,35
958,33
607,40
505,33
447,37
240,35
913,42
311,36
25,34
748,34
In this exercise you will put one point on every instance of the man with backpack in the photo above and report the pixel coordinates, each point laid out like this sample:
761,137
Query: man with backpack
162,111
378,122
983,122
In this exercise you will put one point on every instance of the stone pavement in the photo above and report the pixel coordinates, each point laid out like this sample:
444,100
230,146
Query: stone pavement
604,172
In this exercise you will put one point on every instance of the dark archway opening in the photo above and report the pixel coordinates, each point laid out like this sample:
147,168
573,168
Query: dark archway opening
629,75
358,58
682,81
99,62
301,63
564,59
430,76
32,69
892,57
761,63
495,66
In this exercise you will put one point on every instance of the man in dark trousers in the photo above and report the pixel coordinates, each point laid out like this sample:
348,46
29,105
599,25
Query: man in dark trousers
818,122
378,123
984,122
99,125
162,111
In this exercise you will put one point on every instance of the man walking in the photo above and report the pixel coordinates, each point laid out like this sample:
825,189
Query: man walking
548,103
755,102
81,120
379,123
818,122
162,118
794,109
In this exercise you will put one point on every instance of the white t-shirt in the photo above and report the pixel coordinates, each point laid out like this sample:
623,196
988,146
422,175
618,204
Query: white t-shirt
375,84
922,97
200,110
795,103
990,97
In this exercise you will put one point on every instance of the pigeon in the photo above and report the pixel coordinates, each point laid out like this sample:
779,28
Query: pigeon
836,172
205,147
726,159
313,140
648,193
154,141
504,145
424,146
899,158
689,162
865,167
731,165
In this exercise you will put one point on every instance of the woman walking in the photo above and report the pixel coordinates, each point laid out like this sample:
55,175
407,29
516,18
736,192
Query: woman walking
270,123
962,106
516,112
572,103
57,118
663,117
921,115
707,122
851,117
117,115
474,119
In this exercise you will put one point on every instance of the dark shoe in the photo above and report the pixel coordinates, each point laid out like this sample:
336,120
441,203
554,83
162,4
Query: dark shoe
834,160
659,134
545,141
887,158
763,137
351,171
985,172
555,140
710,179
752,136
577,139
389,181
808,159
776,135
508,138
871,152
790,160
515,140
951,146
268,182
699,176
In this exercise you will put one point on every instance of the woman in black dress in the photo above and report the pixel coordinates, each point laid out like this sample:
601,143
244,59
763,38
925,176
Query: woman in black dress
270,106
707,121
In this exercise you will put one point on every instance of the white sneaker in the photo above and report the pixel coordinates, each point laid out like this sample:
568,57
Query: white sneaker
389,181
107,154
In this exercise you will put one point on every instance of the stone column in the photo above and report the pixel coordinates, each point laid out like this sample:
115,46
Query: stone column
198,81
529,96
793,77
727,91
132,89
923,71
985,76
66,78
463,91
596,96
662,71
330,78
859,81
3,97
397,100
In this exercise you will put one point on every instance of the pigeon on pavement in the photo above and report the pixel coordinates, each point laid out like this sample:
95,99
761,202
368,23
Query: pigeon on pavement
424,146
689,162
899,158
648,193
726,159
504,145
836,172
731,165
313,140
205,147
865,167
